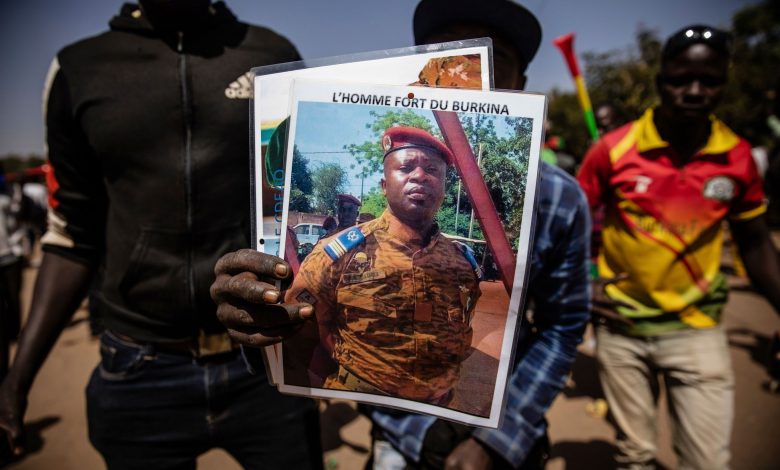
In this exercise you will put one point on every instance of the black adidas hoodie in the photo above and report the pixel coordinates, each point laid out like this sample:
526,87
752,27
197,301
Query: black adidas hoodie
148,136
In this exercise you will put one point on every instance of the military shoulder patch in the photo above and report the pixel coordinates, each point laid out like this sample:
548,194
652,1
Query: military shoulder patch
344,242
468,253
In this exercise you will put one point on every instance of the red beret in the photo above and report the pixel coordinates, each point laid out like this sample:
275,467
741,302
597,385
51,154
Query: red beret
349,198
404,137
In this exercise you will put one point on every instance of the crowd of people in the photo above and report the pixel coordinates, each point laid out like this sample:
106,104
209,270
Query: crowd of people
150,215
23,206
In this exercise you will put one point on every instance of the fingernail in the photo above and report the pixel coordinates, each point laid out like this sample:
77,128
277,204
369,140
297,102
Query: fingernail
281,270
271,296
306,312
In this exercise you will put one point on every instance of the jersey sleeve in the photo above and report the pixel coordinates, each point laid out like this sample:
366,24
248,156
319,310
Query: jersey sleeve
78,201
594,174
750,202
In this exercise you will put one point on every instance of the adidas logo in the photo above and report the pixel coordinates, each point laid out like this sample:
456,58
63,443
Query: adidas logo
241,88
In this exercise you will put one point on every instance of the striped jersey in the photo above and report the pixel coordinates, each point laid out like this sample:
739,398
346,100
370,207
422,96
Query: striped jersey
664,220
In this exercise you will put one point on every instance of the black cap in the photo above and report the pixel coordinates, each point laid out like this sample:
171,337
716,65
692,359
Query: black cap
718,40
510,20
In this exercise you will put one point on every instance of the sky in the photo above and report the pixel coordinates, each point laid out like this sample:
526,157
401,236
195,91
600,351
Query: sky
32,31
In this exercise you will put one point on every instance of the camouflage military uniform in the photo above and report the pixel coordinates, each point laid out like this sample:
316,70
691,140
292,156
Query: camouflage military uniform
397,320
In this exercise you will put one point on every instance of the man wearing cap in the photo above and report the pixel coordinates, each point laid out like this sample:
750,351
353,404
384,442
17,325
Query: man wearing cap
667,181
395,283
558,281
347,210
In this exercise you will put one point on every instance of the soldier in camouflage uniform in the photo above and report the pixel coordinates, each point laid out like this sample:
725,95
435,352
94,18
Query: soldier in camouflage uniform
393,298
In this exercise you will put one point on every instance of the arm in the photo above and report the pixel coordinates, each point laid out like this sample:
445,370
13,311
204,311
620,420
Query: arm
593,178
593,175
561,290
72,245
59,290
760,257
315,284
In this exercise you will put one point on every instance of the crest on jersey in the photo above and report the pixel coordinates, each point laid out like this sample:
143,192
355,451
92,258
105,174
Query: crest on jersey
719,188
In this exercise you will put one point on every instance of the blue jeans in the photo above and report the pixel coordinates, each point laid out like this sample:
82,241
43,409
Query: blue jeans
153,410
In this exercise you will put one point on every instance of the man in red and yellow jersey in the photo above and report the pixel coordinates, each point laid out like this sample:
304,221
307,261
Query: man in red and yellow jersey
667,181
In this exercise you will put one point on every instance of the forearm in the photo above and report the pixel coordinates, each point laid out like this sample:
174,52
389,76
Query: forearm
59,289
760,258
764,274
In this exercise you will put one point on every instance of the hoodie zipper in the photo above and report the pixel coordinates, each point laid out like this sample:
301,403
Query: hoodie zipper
187,117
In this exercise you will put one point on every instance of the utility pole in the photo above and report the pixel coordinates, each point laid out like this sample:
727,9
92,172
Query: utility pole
479,165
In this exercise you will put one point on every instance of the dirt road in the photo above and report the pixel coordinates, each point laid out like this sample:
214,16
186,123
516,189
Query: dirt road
58,438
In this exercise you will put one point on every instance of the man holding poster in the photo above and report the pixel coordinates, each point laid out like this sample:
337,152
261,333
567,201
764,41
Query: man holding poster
395,285
558,281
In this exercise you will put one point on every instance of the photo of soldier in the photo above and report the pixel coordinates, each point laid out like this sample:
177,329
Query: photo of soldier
402,307
395,283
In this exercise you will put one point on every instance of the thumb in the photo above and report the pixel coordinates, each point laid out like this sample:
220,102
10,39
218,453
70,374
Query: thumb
14,435
17,442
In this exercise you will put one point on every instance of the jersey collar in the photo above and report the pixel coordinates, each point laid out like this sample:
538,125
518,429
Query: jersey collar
721,140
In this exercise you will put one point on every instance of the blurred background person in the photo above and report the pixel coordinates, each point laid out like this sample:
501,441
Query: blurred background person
668,181
347,210
11,264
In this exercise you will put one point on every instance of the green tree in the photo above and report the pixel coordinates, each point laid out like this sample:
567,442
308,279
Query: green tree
752,93
327,181
370,154
374,202
565,118
301,188
624,79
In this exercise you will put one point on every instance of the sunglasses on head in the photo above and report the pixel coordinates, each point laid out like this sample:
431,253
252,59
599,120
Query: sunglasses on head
719,40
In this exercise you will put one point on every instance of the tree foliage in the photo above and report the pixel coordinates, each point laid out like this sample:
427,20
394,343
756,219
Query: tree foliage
374,202
754,83
301,183
625,79
369,154
328,181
